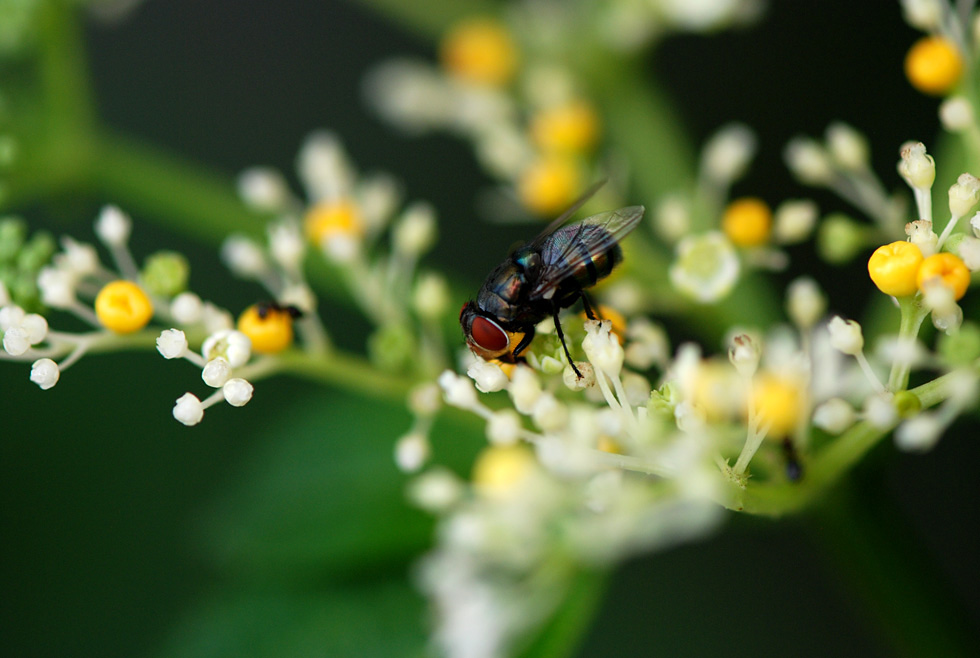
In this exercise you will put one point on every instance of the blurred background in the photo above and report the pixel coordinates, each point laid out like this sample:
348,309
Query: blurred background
126,534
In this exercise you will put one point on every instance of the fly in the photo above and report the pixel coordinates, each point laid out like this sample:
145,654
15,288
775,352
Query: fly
542,277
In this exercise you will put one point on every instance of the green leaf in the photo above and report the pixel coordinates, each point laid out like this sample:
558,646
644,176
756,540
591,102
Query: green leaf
563,633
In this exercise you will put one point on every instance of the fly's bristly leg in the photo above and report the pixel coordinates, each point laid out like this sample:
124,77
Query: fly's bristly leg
561,337
525,341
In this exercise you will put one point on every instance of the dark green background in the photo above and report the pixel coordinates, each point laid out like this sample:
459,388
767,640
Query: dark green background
125,534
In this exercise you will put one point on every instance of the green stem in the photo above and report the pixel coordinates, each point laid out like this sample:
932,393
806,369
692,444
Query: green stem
913,314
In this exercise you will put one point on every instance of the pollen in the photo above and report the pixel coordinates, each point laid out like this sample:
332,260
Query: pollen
122,307
270,334
568,128
499,470
332,218
778,402
480,51
549,185
933,66
949,268
747,222
893,268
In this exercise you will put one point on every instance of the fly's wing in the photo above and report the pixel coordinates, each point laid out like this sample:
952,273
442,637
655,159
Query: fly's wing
561,219
565,249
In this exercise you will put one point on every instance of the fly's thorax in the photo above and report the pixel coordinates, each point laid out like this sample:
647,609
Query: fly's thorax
503,291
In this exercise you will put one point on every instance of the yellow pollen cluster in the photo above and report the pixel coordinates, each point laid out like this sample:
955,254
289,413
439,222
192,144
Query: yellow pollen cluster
500,469
894,267
480,51
332,218
778,403
747,222
949,269
549,185
933,66
122,307
270,334
569,128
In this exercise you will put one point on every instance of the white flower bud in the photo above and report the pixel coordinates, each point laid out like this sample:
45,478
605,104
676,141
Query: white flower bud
744,354
216,372
243,256
263,188
188,409
172,343
504,427
968,250
956,114
412,452
424,400
436,490
602,347
647,344
921,235
233,345
846,336
847,147
45,373
216,319
728,153
341,248
57,287
286,245
524,389
805,303
925,15
919,433
113,226
11,315
15,341
637,389
963,195
879,410
77,257
431,296
549,414
323,166
458,391
808,161
574,382
378,197
794,221
415,232
187,308
36,327
237,391
672,218
917,167
834,416
488,377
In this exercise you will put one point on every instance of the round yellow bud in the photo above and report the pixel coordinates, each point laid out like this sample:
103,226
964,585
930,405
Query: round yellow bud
549,185
747,222
334,217
933,66
778,403
893,268
122,307
480,51
570,128
270,329
499,470
949,268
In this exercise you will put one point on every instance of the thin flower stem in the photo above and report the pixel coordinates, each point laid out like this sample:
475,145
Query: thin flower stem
869,374
912,315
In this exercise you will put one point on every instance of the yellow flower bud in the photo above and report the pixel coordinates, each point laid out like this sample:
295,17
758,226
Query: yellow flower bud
949,268
778,402
893,268
570,128
334,217
480,51
269,334
123,307
747,222
499,470
933,66
549,185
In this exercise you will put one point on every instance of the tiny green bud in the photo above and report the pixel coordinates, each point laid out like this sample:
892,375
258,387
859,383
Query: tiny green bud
840,238
960,347
13,231
907,404
165,273
36,253
391,347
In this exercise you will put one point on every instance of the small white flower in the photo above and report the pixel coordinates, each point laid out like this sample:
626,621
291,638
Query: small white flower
243,256
968,249
956,114
57,287
925,15
425,399
963,195
647,344
323,167
233,345
113,226
36,327
342,248
11,315
488,377
919,433
263,188
575,383
216,319
286,244
415,233
188,409
378,196
187,308
805,303
524,389
794,220
706,267
549,414
921,235
879,410
834,416
436,490
430,299
917,167
744,353
672,218
458,391
846,336
848,147
216,372
237,391
15,341
728,153
602,347
45,373
412,452
808,161
77,257
172,343
504,427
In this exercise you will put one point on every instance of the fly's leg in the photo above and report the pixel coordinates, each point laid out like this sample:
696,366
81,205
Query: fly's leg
525,341
587,305
561,337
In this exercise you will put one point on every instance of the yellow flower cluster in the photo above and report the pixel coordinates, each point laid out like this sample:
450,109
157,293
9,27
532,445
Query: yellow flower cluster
899,269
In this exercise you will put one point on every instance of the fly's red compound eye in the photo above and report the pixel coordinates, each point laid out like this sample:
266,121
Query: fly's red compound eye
488,335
